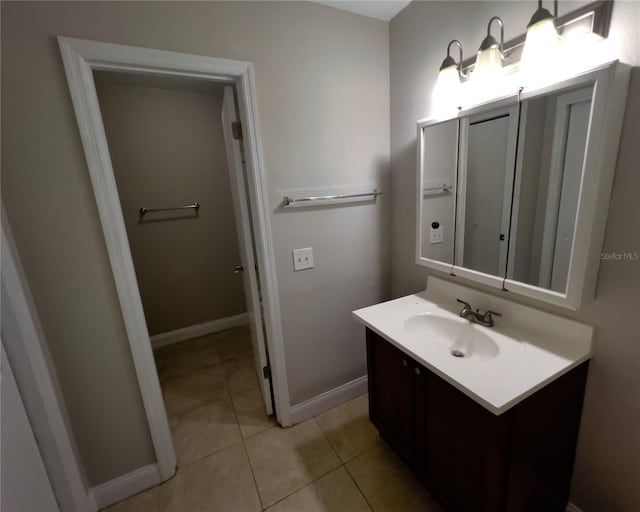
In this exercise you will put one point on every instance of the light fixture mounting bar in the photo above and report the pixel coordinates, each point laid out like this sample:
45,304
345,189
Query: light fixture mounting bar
597,14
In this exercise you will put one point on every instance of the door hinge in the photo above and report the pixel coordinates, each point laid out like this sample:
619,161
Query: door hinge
266,372
236,129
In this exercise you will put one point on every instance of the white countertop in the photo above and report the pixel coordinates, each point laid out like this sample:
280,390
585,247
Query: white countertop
535,347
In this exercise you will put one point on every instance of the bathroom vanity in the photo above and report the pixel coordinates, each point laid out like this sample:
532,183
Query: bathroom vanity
495,429
512,195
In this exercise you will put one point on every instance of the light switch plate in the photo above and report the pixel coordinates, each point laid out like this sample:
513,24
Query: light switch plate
302,258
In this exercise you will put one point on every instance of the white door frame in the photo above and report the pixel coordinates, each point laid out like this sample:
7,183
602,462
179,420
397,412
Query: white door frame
510,152
80,58
35,375
556,172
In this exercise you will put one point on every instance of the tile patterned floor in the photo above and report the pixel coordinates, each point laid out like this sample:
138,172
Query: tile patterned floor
233,458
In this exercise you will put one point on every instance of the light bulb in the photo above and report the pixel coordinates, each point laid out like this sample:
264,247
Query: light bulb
486,76
488,64
446,93
539,60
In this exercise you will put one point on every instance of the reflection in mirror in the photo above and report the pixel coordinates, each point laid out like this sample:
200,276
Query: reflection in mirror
437,206
487,153
551,151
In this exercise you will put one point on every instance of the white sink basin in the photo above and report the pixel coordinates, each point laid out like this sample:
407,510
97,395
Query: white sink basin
500,366
461,338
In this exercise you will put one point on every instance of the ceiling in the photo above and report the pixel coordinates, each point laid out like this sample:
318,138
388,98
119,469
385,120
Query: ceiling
379,9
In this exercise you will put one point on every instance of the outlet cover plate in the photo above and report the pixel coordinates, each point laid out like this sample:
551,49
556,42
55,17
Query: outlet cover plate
302,259
435,235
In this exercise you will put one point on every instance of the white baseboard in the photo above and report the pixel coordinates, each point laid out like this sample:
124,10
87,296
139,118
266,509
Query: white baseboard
573,508
193,331
328,400
125,486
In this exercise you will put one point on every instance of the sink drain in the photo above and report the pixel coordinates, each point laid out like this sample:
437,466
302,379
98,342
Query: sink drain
457,353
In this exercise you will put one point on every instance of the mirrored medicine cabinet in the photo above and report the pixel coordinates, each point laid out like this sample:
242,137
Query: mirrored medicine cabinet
514,193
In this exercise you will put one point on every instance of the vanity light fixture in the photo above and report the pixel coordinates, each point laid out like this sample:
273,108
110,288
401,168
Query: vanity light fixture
540,52
536,55
489,58
447,88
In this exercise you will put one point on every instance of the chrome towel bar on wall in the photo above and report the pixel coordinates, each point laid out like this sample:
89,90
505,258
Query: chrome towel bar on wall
194,206
289,202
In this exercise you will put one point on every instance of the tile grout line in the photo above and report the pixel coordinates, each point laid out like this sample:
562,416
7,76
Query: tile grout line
204,404
229,396
327,440
253,475
340,464
246,453
207,455
356,483
305,485
344,463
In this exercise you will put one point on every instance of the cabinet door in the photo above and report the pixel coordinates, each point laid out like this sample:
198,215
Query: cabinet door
391,394
466,450
420,455
543,447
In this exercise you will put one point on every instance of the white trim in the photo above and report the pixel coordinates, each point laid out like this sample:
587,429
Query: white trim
442,266
610,83
35,375
125,486
572,507
194,331
510,111
328,400
563,106
260,211
242,214
80,58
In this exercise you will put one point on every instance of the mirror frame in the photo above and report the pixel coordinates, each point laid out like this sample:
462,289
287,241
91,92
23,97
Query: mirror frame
610,82
421,260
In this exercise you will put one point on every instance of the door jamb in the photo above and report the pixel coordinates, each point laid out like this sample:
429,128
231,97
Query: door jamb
35,375
80,58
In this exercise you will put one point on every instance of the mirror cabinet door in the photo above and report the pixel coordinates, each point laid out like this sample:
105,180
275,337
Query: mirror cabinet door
548,175
485,186
436,199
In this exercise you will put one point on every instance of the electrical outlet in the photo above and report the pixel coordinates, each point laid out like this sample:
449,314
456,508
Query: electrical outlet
302,259
435,234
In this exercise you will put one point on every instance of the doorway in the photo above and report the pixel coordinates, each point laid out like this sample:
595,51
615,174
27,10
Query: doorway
81,59
183,195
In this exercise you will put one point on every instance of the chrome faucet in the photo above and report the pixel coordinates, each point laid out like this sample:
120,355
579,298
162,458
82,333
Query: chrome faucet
485,319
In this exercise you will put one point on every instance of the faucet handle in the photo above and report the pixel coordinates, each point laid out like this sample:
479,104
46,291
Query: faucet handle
489,314
465,304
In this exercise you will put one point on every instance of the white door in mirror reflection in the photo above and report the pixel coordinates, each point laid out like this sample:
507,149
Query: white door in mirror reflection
487,153
553,135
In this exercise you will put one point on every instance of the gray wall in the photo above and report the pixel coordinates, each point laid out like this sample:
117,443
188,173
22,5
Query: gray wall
607,471
322,78
167,149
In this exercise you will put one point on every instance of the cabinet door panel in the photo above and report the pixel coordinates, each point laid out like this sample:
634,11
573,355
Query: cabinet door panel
545,430
466,450
421,382
391,394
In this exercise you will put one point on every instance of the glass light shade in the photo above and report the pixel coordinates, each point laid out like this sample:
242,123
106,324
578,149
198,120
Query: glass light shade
446,93
486,78
488,64
540,53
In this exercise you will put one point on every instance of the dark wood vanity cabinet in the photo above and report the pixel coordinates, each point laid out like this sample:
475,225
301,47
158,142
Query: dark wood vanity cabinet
392,412
469,458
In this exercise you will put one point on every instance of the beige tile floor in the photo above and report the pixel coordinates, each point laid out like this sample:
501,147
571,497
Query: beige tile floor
233,458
